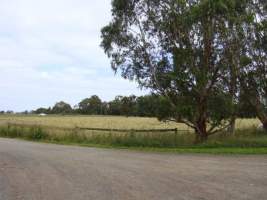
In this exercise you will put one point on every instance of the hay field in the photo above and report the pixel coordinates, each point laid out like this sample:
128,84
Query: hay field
115,122
109,122
62,129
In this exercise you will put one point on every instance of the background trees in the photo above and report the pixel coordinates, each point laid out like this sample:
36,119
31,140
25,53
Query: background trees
114,106
145,106
128,106
61,108
92,105
43,110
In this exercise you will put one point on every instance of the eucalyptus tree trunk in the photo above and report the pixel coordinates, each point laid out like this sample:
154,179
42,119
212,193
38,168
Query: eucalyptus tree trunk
201,131
201,123
260,113
233,90
234,50
232,125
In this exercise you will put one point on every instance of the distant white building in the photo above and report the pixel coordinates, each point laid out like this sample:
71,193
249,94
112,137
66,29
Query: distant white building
42,114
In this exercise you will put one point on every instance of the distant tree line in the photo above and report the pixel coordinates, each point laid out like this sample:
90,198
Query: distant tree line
145,106
151,105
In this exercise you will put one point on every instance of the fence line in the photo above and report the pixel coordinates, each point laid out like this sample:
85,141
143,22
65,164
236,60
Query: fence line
175,130
131,130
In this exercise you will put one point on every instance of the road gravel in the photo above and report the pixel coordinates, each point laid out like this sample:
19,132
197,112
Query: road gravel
36,171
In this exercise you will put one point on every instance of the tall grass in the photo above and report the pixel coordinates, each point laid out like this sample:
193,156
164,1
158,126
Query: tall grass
115,122
31,133
243,138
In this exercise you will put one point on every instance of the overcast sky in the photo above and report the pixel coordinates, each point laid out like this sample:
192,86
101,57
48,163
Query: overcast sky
49,51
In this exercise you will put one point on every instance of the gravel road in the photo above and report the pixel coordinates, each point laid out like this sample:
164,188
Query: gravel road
33,171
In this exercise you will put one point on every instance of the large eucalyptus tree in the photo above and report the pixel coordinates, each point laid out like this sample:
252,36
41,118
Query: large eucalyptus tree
254,71
180,49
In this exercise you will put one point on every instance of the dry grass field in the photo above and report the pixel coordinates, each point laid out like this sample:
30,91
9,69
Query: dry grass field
64,129
109,122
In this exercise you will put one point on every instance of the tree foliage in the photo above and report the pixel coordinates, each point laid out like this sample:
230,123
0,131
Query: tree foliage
254,73
92,105
61,108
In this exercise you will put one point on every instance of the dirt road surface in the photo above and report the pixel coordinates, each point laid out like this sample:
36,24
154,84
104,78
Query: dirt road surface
33,171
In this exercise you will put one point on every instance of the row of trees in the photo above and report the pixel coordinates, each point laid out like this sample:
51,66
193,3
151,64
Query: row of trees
121,105
202,56
144,106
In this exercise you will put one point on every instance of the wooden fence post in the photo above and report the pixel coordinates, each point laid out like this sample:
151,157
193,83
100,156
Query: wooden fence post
175,136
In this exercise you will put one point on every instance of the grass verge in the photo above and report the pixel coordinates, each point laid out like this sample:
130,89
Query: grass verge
248,141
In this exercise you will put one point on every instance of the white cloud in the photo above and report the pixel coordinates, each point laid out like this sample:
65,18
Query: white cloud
49,51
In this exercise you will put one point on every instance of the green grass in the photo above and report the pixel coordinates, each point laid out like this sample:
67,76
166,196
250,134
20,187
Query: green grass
30,133
249,141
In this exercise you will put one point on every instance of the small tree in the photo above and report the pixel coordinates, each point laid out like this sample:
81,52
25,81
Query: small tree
114,106
42,110
61,108
148,105
128,105
92,105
